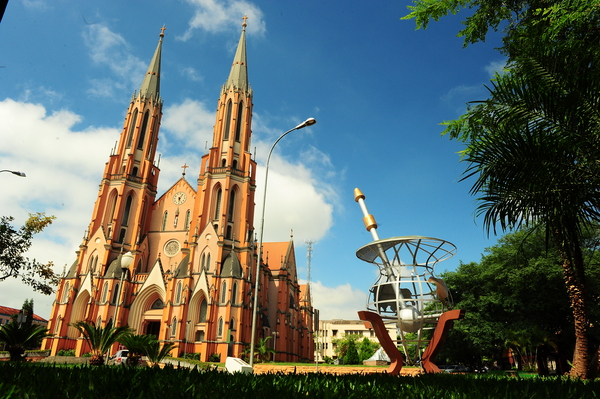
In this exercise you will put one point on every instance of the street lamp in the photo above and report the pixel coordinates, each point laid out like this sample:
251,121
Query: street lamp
275,334
126,261
14,172
308,122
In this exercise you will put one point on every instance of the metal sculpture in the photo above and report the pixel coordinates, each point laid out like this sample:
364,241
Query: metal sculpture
406,291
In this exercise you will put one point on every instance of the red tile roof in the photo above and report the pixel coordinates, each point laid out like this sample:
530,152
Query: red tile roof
4,310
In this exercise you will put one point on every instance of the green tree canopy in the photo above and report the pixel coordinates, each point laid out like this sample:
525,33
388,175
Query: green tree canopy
13,246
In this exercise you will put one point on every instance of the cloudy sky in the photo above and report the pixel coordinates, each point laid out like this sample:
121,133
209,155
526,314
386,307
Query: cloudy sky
378,89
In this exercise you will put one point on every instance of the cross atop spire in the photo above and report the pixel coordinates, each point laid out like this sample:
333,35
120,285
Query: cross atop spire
162,31
244,24
184,167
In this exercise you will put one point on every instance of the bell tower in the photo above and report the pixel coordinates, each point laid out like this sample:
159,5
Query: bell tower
129,183
226,184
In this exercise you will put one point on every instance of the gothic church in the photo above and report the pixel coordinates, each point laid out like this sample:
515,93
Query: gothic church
181,266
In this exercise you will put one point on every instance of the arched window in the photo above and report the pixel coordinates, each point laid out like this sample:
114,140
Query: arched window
227,122
203,261
174,327
164,223
218,204
235,163
105,292
99,321
188,216
238,122
203,310
127,211
224,292
132,128
220,329
116,294
158,304
231,208
292,305
140,143
65,297
178,293
229,234
95,264
233,293
232,324
199,336
208,263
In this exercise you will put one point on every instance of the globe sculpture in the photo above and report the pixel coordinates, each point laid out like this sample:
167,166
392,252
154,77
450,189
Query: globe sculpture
406,291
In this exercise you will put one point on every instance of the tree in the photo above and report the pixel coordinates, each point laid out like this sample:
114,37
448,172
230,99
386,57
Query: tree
15,243
533,145
340,345
145,345
156,353
100,339
367,349
518,287
351,356
19,338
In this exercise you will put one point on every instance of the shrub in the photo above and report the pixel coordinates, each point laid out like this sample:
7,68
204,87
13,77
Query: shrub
66,352
215,358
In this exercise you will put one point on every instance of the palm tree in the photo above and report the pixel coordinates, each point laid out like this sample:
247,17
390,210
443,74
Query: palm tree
136,344
154,352
100,339
534,150
18,338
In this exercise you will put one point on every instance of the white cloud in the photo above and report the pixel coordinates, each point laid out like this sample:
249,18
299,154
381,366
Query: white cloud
495,66
111,51
191,73
217,16
341,302
63,168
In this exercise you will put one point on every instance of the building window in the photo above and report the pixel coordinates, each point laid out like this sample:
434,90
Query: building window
231,209
132,128
127,211
188,216
220,327
233,293
238,124
224,292
65,297
174,327
116,294
199,336
105,292
158,304
203,262
218,204
208,263
164,223
232,324
178,294
203,311
227,122
140,144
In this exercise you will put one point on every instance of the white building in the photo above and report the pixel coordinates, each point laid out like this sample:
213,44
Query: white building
329,330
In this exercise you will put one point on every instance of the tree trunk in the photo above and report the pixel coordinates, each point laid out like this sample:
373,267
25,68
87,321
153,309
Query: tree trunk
574,280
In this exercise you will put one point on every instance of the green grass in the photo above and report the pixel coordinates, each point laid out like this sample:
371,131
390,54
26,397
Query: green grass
30,380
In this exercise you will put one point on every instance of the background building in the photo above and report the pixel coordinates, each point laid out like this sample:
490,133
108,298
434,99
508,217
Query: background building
192,274
329,330
7,313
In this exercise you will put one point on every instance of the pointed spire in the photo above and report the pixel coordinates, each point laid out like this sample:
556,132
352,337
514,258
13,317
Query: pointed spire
238,77
151,84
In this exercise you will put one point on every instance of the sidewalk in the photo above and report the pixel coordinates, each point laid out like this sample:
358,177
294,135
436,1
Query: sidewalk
274,368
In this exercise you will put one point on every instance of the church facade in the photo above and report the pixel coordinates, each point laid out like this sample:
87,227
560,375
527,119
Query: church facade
182,266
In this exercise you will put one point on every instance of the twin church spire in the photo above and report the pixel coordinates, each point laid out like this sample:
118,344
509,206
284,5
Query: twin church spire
151,84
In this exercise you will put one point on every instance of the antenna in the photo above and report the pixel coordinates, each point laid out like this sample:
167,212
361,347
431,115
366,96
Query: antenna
309,248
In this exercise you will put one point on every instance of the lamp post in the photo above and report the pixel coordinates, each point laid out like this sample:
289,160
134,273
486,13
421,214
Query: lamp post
14,172
308,122
275,334
126,261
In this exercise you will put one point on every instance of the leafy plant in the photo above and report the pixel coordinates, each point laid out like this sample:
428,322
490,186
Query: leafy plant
66,352
100,339
155,352
215,358
19,338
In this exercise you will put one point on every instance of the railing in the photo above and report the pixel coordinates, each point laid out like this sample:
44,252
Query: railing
226,169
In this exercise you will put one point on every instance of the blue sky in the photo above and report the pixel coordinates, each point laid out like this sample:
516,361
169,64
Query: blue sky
378,89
